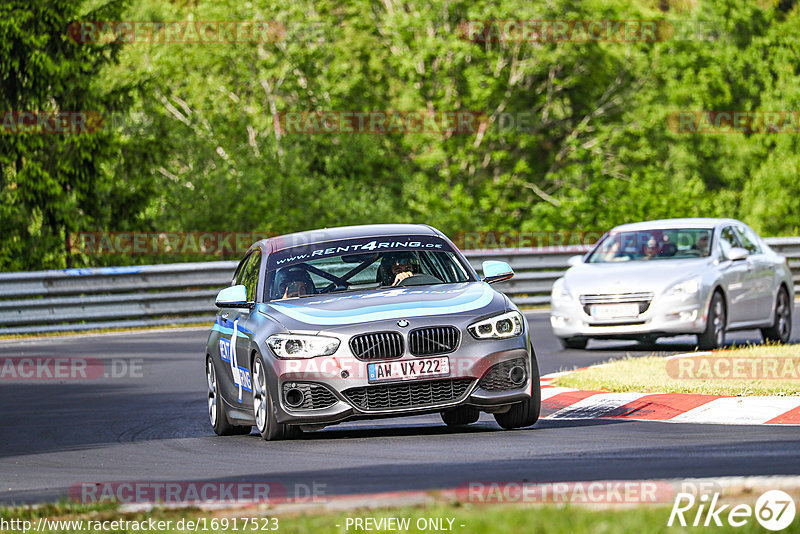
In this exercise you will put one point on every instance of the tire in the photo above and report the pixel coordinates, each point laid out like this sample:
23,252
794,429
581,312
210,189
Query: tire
573,342
264,408
647,340
217,412
460,416
781,329
714,335
525,413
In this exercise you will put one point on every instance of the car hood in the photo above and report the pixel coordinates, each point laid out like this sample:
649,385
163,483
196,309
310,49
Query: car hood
327,312
632,277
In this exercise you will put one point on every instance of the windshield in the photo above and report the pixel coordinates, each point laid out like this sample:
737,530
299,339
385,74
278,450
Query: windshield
362,264
662,244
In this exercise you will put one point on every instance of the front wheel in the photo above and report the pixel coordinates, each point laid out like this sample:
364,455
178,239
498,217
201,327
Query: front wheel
647,340
460,416
525,413
573,342
781,329
264,408
714,335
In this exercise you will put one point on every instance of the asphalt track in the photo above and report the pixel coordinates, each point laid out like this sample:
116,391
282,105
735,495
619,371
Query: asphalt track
152,426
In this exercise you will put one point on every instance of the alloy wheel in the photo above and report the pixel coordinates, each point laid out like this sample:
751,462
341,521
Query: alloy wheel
211,378
719,322
260,401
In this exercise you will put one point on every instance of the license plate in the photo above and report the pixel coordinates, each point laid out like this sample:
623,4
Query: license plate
613,311
408,369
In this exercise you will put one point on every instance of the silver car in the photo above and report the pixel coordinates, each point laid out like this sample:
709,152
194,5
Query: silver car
362,322
671,277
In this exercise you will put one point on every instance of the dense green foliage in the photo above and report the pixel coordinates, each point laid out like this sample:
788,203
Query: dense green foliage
200,151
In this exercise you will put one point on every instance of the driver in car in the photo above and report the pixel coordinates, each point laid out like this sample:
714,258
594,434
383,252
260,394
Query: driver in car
397,267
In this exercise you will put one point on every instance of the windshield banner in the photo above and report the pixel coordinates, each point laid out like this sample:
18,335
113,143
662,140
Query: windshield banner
367,245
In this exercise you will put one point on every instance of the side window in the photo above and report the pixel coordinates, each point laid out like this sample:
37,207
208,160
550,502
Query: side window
749,240
250,275
728,240
237,276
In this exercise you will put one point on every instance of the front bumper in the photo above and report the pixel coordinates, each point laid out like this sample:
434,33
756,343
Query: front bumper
667,316
347,392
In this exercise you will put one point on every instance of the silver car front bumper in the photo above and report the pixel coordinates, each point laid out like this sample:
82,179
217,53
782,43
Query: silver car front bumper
664,315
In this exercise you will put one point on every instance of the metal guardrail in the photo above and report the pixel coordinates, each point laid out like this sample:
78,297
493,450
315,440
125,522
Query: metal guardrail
114,297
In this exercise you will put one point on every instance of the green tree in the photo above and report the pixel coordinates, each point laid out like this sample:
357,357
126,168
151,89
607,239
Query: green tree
52,185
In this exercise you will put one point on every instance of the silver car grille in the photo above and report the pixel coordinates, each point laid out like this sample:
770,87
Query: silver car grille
416,394
377,346
433,340
642,298
616,298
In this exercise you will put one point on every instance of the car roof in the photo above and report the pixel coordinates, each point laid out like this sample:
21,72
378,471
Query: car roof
698,222
281,242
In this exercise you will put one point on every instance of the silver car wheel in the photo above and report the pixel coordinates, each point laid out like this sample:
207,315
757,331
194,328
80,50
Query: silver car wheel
211,378
719,322
784,315
259,395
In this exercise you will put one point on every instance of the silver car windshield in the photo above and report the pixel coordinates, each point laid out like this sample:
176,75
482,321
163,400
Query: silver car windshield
646,245
303,273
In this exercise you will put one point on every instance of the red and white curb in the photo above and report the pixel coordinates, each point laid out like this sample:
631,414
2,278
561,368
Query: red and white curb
567,403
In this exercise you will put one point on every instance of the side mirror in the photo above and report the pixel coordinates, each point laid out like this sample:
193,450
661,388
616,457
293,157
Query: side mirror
738,254
574,260
233,297
496,271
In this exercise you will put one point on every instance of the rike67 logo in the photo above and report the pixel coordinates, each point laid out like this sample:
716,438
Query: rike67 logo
774,510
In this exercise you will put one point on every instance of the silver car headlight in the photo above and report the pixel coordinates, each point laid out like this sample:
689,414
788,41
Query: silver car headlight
684,289
301,346
502,326
560,291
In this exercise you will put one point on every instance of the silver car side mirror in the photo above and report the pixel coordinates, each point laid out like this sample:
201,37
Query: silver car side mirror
575,260
738,254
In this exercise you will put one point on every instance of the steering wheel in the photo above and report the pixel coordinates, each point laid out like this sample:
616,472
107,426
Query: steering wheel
334,286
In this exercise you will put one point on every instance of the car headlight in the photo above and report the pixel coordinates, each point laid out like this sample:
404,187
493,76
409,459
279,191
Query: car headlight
498,327
290,346
685,288
560,291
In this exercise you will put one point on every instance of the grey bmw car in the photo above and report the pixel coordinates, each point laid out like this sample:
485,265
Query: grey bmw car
360,322
671,277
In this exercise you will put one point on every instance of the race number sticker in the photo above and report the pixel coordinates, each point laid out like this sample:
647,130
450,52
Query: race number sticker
241,376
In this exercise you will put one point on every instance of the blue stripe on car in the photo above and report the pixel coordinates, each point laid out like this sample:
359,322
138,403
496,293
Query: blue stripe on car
472,299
